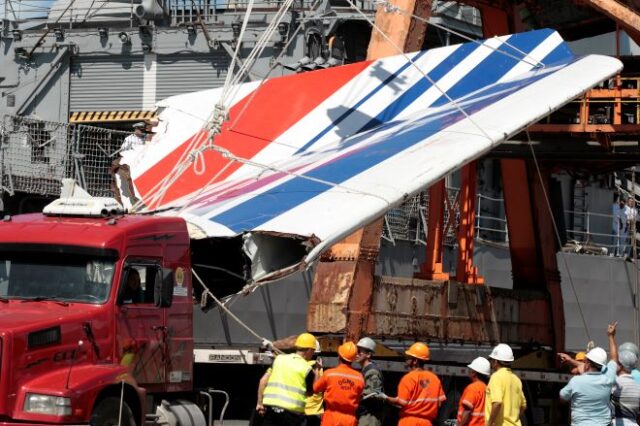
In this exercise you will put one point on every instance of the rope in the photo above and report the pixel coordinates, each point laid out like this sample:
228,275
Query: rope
255,52
275,64
227,154
429,79
261,44
219,115
205,290
198,160
234,60
158,191
213,126
233,158
557,234
204,187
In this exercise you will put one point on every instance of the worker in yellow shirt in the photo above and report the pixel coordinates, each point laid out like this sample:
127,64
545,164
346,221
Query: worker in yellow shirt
314,408
505,402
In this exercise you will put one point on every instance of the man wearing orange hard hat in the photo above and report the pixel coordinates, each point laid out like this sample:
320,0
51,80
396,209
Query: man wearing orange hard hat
420,393
342,387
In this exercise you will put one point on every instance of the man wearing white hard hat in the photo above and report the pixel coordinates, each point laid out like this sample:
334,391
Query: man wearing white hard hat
471,410
505,402
589,393
371,409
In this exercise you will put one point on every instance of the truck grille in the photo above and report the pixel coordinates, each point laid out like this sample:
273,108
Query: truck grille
48,336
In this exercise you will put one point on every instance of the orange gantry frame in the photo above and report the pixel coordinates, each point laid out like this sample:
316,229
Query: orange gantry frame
431,269
624,16
614,110
466,271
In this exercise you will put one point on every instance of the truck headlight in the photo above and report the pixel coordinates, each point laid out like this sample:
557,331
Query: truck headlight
47,404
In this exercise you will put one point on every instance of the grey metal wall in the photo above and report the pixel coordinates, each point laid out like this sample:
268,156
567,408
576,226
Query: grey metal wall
403,260
38,87
106,83
604,288
275,311
183,73
133,83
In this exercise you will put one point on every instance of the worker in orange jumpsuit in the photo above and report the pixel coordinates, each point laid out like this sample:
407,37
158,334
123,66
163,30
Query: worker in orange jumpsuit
342,387
420,393
471,409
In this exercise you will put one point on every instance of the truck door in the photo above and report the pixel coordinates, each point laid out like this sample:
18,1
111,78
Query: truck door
142,332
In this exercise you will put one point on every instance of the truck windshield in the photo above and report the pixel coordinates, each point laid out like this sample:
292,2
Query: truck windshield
66,277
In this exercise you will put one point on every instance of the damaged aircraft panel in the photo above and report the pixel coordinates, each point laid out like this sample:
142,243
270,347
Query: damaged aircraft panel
302,161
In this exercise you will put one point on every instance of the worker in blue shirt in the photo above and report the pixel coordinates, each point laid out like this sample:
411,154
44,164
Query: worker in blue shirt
632,347
589,393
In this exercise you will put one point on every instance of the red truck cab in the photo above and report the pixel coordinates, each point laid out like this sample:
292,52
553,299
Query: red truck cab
95,317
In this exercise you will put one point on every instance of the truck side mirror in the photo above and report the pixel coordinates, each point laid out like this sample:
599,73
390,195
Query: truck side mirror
163,289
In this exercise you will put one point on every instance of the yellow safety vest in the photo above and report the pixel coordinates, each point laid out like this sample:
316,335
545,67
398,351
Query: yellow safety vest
314,402
286,387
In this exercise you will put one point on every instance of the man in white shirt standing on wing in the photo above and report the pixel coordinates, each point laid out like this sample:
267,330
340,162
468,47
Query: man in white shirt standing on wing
134,140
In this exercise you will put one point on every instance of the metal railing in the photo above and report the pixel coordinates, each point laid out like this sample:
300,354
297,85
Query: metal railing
178,12
181,12
490,227
597,236
408,222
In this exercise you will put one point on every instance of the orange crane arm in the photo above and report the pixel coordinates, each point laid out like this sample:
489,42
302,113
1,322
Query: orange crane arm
622,14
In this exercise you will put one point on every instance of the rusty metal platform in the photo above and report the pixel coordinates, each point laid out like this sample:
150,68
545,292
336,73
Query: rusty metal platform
446,311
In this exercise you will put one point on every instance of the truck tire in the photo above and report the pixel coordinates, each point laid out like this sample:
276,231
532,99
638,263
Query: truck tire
107,411
187,413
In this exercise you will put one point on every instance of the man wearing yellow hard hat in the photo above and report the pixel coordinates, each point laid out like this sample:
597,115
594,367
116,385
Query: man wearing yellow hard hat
420,392
284,389
576,364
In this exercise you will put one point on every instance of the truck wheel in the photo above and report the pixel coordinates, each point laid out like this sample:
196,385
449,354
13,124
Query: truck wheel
107,411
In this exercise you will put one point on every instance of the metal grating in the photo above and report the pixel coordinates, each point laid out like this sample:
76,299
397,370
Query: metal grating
405,221
36,155
408,222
